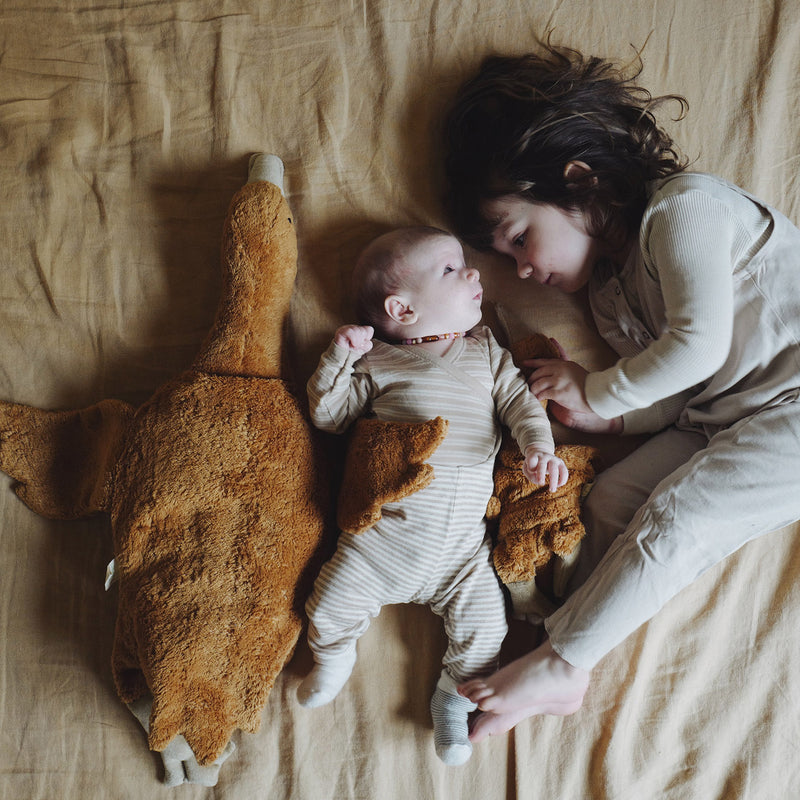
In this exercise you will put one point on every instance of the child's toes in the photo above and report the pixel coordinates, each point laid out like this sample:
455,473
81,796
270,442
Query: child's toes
475,690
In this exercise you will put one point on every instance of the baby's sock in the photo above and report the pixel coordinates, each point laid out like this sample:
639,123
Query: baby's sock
326,680
265,167
450,727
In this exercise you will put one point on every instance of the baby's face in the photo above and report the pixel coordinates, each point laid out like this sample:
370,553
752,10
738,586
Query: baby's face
445,293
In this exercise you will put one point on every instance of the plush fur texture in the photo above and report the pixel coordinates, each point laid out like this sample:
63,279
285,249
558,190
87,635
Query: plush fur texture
533,523
385,462
217,503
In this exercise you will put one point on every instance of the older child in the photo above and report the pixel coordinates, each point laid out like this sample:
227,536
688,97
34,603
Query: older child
415,290
556,161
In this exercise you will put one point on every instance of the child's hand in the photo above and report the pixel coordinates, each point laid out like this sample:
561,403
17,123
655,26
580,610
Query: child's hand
559,380
549,381
357,338
538,465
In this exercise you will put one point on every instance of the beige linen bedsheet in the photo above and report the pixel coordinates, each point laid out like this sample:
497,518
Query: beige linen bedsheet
125,128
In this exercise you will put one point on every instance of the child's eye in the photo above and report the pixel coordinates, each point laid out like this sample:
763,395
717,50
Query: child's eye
519,241
447,269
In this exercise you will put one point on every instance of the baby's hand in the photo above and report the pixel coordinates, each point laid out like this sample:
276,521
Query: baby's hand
538,465
357,338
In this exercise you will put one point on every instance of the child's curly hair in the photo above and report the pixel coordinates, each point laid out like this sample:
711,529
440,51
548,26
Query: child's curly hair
514,127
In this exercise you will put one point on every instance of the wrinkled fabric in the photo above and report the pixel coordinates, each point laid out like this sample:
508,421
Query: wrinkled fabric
125,129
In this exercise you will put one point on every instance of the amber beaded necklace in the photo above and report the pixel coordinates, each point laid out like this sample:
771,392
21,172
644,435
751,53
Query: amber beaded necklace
434,338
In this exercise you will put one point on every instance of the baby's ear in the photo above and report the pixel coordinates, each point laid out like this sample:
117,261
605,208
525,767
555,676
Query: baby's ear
399,310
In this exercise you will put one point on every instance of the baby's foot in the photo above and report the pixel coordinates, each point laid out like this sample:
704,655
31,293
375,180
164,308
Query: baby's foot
326,680
449,711
540,682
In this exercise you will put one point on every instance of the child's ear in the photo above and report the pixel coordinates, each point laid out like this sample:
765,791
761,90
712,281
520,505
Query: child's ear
576,171
399,310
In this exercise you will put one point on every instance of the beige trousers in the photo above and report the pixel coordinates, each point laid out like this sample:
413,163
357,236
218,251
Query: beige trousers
664,515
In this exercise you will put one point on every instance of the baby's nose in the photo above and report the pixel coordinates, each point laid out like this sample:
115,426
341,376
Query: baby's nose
473,274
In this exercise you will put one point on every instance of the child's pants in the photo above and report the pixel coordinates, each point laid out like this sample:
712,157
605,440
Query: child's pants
692,501
429,548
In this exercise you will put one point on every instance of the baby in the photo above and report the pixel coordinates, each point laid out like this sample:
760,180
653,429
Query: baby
414,289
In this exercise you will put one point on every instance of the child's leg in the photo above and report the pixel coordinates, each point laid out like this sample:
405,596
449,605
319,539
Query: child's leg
695,518
619,491
541,682
742,485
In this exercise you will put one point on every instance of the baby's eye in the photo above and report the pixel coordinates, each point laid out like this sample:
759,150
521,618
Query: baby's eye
447,269
519,241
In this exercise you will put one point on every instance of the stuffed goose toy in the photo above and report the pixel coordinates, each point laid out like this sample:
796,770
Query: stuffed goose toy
216,501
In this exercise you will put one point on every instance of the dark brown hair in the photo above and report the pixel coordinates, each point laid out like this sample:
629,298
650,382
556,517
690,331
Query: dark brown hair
514,127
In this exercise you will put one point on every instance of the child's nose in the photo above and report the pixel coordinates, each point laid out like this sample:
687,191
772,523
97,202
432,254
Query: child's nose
473,274
524,270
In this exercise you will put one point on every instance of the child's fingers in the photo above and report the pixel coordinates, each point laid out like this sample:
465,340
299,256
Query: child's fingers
529,469
541,388
356,337
552,475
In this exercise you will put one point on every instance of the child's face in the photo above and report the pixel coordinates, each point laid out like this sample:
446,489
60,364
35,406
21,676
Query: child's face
444,292
548,244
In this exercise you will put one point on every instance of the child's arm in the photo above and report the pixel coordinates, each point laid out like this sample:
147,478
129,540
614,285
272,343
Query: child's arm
337,395
689,244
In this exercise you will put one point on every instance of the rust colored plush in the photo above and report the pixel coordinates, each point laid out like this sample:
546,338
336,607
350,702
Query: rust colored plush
385,462
216,501
533,523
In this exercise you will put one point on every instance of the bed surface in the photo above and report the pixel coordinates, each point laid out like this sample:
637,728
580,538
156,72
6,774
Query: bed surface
125,129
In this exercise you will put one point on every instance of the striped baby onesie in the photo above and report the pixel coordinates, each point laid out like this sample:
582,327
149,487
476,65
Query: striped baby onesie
431,547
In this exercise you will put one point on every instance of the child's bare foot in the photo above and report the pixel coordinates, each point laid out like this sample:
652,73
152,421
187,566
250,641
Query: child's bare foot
540,682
